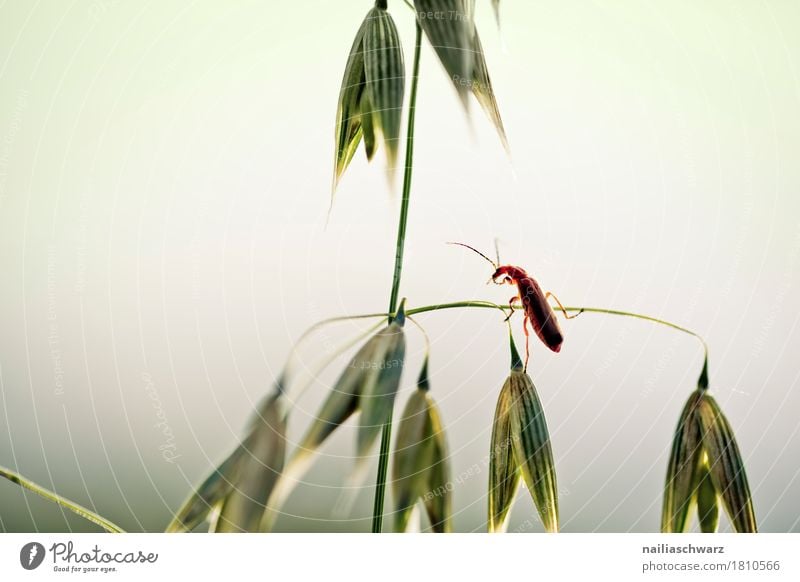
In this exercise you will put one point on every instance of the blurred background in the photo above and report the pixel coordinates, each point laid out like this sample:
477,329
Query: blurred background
165,172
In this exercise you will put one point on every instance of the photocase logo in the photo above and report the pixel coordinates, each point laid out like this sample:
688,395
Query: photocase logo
31,555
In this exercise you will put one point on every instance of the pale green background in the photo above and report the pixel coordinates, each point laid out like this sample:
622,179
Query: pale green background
164,182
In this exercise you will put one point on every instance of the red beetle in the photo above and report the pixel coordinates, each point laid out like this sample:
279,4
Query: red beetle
537,310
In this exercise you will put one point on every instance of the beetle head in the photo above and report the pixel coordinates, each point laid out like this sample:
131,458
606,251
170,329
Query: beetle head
502,276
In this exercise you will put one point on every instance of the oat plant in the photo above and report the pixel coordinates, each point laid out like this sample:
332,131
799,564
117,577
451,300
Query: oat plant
248,489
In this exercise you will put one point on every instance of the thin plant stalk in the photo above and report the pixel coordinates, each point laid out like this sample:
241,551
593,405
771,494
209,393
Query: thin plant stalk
386,433
490,305
409,166
76,508
702,382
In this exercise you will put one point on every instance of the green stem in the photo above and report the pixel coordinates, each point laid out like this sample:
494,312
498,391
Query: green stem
702,382
386,433
87,514
409,166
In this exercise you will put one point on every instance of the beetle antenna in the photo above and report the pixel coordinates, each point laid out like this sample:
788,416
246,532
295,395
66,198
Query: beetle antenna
495,265
497,250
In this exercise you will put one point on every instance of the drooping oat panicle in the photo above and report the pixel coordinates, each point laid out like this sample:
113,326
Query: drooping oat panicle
450,28
521,447
368,384
705,468
420,469
233,496
371,97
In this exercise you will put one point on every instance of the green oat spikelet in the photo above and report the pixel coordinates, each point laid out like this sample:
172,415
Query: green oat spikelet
726,467
682,469
420,469
233,497
521,448
504,474
371,97
450,28
531,442
259,470
482,89
705,470
378,382
207,497
438,501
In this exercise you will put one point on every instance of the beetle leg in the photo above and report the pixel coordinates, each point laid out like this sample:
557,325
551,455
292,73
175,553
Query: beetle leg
561,307
527,341
511,302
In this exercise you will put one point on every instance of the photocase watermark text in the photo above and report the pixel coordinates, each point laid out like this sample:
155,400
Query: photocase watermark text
169,450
